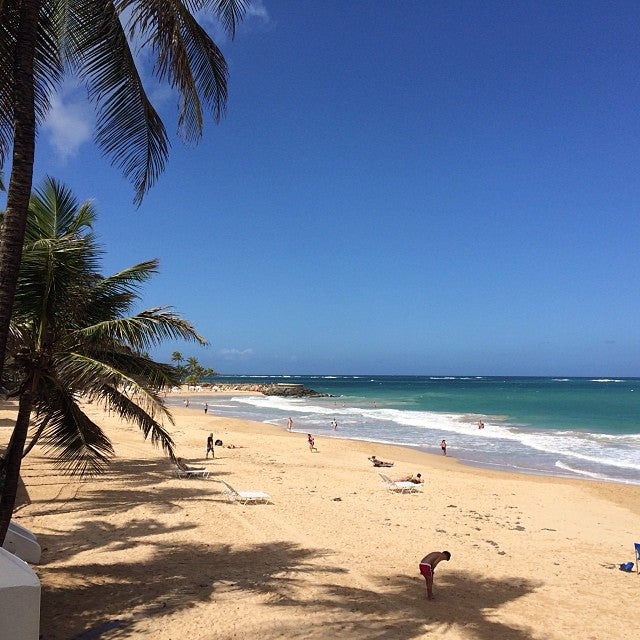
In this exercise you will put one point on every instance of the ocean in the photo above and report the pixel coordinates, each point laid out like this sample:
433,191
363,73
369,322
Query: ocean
570,427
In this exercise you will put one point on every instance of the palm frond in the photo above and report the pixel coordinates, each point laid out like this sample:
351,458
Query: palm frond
143,330
80,447
8,28
229,12
117,367
55,212
47,66
129,130
125,281
138,404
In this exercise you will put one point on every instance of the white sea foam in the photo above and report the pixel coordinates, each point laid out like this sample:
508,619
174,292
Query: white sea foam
606,380
589,474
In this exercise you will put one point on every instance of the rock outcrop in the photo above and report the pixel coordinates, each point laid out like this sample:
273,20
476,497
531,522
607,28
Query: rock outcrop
280,389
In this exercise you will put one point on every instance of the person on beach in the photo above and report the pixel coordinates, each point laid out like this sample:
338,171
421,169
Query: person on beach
380,463
417,479
289,424
210,446
206,407
334,424
480,424
428,565
312,443
443,446
186,403
185,467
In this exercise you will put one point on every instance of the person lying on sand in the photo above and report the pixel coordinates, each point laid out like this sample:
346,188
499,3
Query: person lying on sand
185,467
380,463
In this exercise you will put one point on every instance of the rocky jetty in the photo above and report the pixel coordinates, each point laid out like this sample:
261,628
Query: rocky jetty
281,389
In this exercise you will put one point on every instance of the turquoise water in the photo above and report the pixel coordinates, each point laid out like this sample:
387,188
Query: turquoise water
574,427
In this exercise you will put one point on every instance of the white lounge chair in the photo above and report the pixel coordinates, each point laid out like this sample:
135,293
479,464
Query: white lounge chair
22,543
402,486
184,471
244,497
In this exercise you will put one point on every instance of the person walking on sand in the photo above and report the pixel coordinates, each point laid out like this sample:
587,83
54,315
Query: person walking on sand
210,446
428,565
289,424
443,446
312,443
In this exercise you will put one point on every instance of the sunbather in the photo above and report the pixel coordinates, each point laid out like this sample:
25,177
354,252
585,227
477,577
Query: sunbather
380,463
417,479
185,467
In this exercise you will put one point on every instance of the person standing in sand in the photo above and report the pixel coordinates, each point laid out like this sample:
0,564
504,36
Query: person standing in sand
210,446
443,446
206,407
289,424
428,565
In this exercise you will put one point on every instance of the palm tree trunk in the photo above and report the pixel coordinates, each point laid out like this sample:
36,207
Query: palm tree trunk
13,461
24,131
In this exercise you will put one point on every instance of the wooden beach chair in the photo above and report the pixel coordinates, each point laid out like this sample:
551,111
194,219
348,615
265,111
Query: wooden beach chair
244,497
400,486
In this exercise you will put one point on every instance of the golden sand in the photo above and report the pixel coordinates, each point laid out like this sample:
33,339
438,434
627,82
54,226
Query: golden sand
139,553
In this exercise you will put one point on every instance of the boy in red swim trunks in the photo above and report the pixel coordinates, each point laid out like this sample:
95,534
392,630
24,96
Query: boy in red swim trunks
428,565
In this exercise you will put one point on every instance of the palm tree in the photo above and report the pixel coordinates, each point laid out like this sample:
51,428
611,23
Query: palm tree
42,40
70,337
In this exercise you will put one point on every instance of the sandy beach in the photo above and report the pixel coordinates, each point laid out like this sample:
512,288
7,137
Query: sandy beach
140,553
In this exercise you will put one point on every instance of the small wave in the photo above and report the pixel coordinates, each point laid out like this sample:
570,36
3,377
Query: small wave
606,380
591,474
560,379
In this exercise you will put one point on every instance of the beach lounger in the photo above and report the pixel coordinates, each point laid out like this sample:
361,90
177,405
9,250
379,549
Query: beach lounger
22,543
401,486
637,548
244,497
184,471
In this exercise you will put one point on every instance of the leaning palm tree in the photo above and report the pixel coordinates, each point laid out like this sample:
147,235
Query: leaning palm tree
71,338
43,40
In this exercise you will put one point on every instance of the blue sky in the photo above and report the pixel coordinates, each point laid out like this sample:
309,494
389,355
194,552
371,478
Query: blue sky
397,188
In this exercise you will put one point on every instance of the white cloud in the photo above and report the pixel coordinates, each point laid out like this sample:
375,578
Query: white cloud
69,123
257,10
235,354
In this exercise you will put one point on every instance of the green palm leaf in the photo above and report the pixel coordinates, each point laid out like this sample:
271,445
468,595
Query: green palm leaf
71,337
